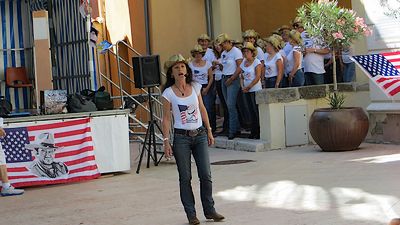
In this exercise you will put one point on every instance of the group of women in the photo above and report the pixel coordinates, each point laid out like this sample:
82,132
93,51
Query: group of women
227,69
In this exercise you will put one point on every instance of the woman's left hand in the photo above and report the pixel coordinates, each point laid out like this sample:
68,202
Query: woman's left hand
210,136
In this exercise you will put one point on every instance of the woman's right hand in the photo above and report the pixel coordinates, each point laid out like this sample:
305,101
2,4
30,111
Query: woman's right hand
167,150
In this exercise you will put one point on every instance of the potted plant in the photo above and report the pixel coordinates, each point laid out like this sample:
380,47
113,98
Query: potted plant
336,128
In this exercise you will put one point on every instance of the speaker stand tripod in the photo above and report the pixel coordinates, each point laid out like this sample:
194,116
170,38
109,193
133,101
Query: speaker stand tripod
149,144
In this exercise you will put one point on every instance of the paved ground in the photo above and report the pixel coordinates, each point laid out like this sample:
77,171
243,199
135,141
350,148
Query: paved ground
295,186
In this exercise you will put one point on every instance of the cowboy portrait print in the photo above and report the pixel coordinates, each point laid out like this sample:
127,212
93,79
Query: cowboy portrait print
45,164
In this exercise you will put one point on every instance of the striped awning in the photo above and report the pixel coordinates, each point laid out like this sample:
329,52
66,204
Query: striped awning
16,47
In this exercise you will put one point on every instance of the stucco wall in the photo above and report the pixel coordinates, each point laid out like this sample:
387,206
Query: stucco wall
227,18
175,26
266,16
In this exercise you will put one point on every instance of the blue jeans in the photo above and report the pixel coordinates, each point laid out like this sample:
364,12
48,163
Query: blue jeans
270,82
185,146
209,103
349,71
230,95
298,79
314,78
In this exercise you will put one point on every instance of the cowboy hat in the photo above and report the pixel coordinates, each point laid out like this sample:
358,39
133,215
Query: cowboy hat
174,59
274,42
297,23
250,46
222,38
296,36
197,48
250,33
284,28
44,141
204,37
280,39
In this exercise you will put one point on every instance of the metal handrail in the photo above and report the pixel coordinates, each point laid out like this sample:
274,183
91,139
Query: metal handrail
130,96
124,94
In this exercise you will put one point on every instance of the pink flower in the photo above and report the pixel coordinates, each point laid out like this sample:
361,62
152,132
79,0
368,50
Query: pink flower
367,32
359,22
341,22
356,29
338,35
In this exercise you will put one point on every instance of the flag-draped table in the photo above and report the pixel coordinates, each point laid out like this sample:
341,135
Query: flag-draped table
65,148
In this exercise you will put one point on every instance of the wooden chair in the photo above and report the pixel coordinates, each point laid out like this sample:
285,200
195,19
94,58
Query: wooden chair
17,77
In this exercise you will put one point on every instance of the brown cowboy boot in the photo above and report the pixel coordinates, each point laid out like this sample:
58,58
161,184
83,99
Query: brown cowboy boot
194,221
215,216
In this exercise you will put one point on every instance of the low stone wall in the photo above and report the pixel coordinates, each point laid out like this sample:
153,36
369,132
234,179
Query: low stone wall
284,112
384,125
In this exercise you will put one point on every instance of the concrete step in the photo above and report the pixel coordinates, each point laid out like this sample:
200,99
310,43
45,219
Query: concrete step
242,144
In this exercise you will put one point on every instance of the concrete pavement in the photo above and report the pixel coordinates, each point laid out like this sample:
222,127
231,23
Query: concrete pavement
294,186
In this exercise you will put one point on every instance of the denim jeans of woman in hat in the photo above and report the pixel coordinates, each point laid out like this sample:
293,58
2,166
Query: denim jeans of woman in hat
349,72
230,95
184,146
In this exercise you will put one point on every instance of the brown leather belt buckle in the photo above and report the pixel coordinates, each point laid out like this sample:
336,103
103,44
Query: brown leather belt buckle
193,133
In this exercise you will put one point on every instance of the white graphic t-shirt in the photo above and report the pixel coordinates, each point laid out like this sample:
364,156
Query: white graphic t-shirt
209,56
271,69
228,60
185,110
290,60
200,74
249,74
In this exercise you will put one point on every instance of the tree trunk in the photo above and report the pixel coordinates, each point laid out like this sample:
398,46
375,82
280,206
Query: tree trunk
334,71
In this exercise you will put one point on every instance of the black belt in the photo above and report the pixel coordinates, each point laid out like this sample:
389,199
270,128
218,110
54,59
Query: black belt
268,78
190,133
226,76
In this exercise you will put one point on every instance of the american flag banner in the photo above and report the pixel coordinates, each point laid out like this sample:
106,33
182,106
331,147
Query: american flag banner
182,109
383,69
51,153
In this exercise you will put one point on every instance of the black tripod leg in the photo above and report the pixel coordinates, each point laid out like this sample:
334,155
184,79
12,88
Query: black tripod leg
142,153
149,135
153,136
162,155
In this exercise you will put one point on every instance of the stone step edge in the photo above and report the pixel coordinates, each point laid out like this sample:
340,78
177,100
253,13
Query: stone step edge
242,144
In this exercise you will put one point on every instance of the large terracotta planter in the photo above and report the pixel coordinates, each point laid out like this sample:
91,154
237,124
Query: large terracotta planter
339,129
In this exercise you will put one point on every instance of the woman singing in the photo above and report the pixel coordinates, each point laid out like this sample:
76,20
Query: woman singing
182,100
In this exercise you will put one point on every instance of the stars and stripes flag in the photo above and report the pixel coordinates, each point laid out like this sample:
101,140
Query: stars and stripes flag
74,150
383,69
182,109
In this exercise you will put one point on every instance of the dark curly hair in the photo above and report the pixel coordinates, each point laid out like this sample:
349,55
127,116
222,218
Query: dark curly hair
171,80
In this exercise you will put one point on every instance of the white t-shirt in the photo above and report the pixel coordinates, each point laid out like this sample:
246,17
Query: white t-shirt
260,54
313,62
218,73
271,70
209,56
228,60
200,74
185,110
288,47
249,74
290,59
